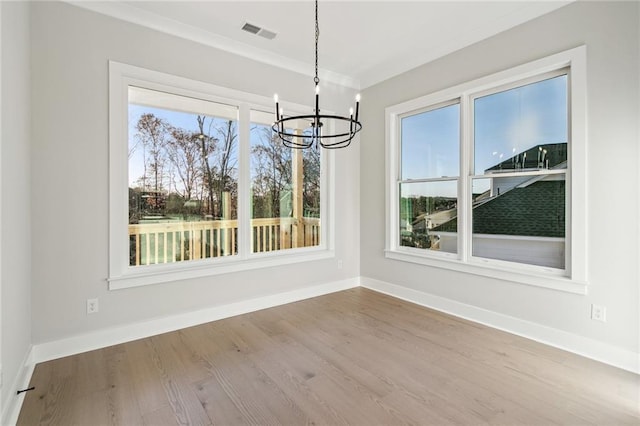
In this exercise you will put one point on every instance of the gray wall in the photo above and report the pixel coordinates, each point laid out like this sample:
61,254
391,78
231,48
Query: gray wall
610,31
70,50
15,224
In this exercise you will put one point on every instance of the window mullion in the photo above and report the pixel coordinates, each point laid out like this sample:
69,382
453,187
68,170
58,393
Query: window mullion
244,181
464,183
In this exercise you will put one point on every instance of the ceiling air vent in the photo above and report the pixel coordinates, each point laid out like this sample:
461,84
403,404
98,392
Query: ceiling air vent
262,32
251,28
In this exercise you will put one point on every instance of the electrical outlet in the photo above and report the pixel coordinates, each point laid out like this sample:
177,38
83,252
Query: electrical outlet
340,264
598,313
92,306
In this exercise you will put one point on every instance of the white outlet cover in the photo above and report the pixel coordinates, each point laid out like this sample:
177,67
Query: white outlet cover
598,313
92,306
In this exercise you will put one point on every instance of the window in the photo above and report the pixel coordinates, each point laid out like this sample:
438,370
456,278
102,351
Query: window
485,177
520,138
430,164
285,191
199,184
183,178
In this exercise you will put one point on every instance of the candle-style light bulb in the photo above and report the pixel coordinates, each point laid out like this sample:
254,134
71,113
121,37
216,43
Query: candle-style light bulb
317,89
351,122
357,105
275,98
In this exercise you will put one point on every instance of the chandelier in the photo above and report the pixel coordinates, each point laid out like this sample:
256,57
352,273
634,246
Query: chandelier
345,128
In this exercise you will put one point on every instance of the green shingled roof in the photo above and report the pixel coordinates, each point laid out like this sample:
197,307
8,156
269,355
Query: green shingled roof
537,210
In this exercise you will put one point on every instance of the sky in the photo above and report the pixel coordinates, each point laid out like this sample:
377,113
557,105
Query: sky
183,120
505,123
186,121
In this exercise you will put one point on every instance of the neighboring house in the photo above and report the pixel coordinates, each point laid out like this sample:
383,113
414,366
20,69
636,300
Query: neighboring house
520,219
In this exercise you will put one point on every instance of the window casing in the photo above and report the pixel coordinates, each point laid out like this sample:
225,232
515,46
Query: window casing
464,217
165,226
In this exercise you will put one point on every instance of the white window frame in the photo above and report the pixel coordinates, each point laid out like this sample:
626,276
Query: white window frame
121,275
573,278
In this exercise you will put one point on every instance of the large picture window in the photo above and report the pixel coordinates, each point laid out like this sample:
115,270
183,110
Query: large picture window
199,184
183,178
485,177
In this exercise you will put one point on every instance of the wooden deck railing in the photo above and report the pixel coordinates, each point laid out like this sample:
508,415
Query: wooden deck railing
152,243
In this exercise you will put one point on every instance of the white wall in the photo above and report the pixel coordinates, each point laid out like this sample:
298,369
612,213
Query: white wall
70,50
15,222
610,31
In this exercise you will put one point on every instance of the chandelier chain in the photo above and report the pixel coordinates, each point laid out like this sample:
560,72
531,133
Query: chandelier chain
320,130
316,80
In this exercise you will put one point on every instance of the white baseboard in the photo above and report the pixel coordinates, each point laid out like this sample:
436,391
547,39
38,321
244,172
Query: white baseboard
589,348
570,342
13,403
126,333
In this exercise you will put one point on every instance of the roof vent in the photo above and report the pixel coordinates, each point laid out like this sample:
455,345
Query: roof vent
262,32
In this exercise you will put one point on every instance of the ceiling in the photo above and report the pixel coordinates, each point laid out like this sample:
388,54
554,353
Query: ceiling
361,42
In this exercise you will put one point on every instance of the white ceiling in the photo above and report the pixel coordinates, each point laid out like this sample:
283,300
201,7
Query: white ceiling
361,42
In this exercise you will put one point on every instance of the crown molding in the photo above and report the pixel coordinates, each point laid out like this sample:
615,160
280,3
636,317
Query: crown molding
428,53
134,15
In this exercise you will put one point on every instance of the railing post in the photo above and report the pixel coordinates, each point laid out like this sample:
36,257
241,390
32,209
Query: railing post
297,175
226,215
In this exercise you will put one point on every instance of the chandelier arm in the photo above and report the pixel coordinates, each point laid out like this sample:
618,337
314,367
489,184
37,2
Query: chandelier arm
279,128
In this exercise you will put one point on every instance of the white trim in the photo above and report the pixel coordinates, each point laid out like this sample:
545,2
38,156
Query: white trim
121,275
583,346
442,48
533,275
13,404
589,348
368,78
175,272
134,15
126,333
576,270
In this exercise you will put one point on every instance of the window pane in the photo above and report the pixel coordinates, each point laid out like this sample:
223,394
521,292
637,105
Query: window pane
285,188
430,143
428,215
183,178
522,128
520,219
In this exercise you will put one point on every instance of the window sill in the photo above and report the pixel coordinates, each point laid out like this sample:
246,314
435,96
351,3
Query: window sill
548,281
156,274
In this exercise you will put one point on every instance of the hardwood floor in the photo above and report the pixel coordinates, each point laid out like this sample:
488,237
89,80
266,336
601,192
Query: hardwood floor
354,357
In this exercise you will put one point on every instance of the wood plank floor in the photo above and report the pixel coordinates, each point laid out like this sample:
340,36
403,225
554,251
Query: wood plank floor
354,357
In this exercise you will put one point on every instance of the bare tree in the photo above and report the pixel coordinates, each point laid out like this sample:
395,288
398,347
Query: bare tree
152,132
225,162
207,145
184,153
272,173
311,187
